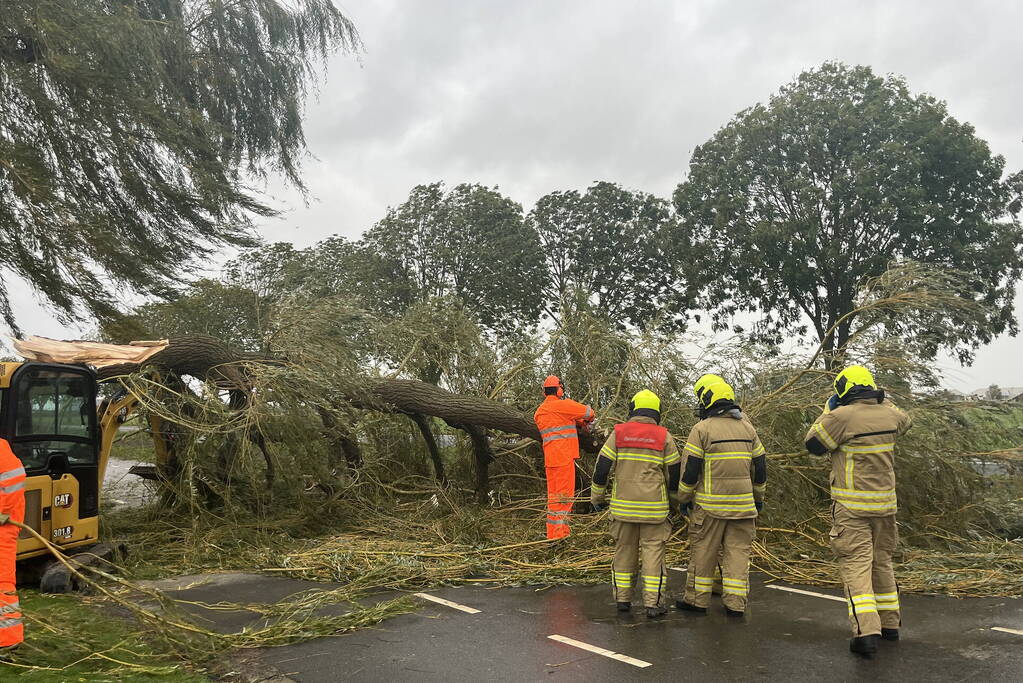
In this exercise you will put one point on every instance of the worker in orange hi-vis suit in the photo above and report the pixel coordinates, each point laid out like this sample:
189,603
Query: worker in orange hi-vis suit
12,507
558,418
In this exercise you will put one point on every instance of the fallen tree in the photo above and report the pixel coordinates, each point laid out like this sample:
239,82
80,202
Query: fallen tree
209,359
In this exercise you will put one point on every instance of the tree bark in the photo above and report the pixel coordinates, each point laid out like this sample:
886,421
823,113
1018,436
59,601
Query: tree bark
431,445
484,455
206,357
340,438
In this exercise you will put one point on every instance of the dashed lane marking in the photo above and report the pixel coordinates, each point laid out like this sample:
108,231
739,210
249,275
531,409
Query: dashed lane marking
800,591
446,603
601,651
1007,630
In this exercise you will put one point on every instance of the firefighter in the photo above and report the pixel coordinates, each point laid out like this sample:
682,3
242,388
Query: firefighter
558,418
722,490
647,468
858,428
12,507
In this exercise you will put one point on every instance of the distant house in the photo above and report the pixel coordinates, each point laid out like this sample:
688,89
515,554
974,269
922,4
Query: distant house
1008,394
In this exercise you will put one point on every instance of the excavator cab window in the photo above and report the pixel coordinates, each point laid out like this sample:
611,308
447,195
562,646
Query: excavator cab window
49,418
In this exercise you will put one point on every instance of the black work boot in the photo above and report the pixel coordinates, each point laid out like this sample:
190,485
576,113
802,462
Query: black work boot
889,634
733,612
865,646
654,612
624,606
686,607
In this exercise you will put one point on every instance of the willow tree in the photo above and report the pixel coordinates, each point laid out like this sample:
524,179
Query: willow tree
797,203
130,129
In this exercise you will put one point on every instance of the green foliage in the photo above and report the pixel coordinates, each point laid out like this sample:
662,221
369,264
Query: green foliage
67,639
469,243
798,202
610,247
128,129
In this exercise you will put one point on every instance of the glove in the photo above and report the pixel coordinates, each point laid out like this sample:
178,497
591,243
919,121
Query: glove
833,402
760,505
599,507
685,508
4,518
673,503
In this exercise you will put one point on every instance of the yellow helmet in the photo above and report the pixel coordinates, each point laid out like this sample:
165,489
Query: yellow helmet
645,399
853,376
710,389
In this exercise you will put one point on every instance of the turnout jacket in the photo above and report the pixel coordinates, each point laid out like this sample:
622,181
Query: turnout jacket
646,466
725,470
861,439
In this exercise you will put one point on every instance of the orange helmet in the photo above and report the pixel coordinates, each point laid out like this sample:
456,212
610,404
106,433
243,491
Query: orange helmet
553,382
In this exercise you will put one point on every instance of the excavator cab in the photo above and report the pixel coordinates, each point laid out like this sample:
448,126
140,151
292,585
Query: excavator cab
48,414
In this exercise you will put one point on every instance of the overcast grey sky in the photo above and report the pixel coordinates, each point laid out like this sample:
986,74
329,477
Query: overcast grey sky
542,95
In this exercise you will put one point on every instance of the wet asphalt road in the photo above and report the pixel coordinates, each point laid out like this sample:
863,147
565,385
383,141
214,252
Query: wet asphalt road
784,636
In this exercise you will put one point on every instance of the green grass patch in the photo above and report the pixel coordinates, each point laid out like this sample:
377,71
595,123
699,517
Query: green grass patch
136,446
76,638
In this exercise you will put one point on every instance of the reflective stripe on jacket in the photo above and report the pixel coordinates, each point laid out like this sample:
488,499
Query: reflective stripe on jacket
726,444
861,438
641,451
557,419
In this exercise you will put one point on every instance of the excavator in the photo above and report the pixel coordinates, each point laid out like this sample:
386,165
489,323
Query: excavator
53,418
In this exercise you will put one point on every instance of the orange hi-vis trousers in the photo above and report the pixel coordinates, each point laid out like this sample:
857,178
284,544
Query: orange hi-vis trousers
560,494
12,502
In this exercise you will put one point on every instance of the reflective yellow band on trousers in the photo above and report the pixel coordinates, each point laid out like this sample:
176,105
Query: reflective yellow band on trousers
887,601
653,583
704,584
859,604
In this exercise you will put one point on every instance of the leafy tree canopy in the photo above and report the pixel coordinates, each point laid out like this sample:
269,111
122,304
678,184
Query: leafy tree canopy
843,172
609,245
469,244
128,129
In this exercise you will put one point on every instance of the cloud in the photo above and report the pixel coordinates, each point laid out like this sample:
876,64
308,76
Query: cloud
535,96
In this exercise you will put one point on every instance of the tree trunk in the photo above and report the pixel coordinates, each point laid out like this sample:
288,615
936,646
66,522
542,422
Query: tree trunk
484,455
340,439
431,445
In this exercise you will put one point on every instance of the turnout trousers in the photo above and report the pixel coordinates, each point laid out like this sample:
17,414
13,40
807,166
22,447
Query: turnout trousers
560,496
714,543
864,547
640,548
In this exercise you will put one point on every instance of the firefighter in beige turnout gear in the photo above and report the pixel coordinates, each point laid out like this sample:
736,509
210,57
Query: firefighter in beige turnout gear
646,466
858,428
723,483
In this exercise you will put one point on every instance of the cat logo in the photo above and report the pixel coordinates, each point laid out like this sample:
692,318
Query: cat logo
63,532
62,500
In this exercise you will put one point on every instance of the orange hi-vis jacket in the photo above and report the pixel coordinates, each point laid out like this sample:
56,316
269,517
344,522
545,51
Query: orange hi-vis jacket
557,419
12,502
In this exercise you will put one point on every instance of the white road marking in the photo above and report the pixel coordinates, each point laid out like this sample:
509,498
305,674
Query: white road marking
1007,630
601,651
836,598
446,603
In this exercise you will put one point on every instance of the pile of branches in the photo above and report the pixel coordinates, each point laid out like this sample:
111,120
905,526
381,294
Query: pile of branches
319,431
